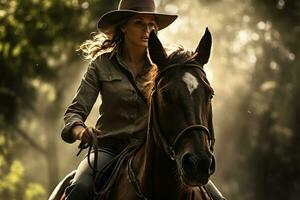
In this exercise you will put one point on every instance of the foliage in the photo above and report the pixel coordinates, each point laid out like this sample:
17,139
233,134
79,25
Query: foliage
275,154
13,185
254,68
34,192
261,135
29,31
35,38
255,76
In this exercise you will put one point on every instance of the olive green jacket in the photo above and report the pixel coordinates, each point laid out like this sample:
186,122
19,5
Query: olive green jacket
122,113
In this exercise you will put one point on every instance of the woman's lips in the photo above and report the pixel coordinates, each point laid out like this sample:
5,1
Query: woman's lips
145,38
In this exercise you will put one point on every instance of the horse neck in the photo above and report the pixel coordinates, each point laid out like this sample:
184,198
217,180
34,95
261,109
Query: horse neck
156,171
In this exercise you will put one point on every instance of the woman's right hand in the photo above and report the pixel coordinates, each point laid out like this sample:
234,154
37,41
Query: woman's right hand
85,134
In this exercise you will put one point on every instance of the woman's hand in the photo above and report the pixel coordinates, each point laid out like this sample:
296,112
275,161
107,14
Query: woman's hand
85,134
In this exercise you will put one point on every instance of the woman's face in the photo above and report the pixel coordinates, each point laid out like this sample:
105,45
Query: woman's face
137,29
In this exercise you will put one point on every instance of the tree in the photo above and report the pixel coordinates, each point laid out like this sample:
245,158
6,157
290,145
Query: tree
268,134
36,41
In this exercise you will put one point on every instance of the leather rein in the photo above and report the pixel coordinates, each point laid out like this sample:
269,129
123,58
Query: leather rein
169,146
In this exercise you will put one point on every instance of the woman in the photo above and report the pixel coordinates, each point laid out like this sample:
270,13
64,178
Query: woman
120,71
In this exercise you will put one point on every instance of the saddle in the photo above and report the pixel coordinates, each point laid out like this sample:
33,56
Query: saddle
104,179
59,190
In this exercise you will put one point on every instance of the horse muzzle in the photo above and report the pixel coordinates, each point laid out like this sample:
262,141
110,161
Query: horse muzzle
196,168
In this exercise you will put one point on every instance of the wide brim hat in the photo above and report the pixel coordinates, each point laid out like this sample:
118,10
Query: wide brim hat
128,8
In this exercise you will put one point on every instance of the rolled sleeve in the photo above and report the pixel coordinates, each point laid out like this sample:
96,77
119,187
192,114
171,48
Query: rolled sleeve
82,103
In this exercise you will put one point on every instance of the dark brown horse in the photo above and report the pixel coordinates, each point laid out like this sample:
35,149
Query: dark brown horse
175,160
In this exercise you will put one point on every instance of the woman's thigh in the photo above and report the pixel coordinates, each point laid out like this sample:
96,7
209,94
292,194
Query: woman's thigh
82,186
84,170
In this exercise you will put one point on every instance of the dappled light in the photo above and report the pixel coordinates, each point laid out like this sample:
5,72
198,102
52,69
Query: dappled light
254,69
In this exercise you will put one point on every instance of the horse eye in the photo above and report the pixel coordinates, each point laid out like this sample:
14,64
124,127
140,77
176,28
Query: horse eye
211,96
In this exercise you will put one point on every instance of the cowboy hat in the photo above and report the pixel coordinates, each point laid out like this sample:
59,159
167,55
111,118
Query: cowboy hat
128,8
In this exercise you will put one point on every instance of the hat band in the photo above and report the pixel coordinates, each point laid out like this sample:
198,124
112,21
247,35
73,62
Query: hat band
141,9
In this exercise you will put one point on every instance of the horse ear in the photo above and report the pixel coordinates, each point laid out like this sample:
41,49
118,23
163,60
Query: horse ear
157,52
203,49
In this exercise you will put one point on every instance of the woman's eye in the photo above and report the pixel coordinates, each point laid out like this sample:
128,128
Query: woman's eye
138,22
142,24
152,25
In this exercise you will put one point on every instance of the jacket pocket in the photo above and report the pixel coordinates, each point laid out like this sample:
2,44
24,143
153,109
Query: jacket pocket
108,77
111,84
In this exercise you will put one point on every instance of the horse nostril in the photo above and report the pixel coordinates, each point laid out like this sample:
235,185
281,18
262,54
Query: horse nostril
189,162
212,167
193,163
204,164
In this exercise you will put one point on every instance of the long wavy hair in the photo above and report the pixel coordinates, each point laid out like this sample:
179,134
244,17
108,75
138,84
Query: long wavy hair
100,43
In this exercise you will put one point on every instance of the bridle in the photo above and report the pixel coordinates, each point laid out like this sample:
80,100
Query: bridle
170,147
153,122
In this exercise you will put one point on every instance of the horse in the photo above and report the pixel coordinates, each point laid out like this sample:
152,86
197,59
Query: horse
175,160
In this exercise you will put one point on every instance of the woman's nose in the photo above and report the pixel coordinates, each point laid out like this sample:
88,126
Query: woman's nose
148,27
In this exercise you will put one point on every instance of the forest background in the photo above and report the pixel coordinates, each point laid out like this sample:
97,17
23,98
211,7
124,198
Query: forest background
254,69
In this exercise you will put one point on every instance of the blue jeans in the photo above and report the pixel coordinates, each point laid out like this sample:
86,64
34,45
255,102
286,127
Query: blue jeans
82,187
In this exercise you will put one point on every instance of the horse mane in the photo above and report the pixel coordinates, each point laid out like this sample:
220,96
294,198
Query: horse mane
180,55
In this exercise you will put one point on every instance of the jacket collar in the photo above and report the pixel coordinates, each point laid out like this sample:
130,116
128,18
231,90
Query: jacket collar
116,53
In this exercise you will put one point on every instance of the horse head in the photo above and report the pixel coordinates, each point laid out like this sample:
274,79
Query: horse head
181,111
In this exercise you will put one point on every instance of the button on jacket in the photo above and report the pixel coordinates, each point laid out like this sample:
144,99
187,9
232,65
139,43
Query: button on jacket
123,113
